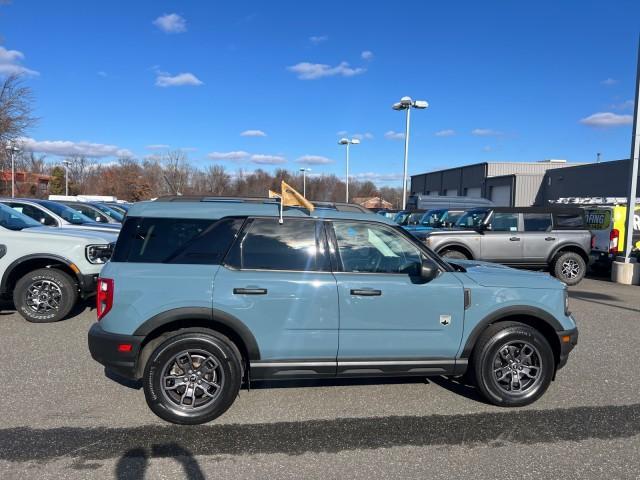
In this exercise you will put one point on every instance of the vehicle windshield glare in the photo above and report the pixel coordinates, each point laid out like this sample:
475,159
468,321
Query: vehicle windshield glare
472,218
67,213
433,218
109,211
13,220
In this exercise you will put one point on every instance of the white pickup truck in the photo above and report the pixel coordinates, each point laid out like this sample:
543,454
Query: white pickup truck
46,270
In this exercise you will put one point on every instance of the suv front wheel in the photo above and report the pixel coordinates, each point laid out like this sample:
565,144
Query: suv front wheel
192,377
45,295
513,364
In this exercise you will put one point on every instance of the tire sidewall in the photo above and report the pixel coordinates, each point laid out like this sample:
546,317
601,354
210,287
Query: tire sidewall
216,347
61,279
557,270
453,255
484,368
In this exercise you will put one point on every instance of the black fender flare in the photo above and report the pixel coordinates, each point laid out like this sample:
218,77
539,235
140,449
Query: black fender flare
506,312
210,316
577,246
455,245
37,256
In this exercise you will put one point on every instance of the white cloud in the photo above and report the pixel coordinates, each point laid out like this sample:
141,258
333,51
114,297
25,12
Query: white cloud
232,156
253,133
313,71
626,105
363,136
487,148
261,159
486,132
606,119
157,146
164,79
609,82
341,133
10,63
445,133
367,55
391,135
317,39
378,177
314,160
66,148
171,23
102,74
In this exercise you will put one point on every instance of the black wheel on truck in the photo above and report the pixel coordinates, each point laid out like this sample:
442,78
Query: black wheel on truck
513,364
453,254
193,376
45,295
569,267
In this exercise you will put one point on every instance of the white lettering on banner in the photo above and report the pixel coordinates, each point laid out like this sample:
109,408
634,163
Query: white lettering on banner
636,222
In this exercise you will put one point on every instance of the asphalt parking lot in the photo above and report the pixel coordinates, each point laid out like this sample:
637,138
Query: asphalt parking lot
62,418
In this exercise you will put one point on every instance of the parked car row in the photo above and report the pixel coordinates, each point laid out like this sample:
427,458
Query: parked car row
51,253
556,237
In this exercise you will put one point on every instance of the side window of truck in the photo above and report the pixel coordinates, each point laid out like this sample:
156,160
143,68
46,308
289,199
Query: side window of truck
504,222
537,222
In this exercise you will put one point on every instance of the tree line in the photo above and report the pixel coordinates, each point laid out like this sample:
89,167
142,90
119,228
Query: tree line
169,173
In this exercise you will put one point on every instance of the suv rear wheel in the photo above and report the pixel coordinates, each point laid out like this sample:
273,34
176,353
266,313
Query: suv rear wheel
513,364
569,267
45,295
452,253
192,377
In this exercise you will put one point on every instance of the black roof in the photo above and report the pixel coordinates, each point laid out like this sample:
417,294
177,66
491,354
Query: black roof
567,210
340,206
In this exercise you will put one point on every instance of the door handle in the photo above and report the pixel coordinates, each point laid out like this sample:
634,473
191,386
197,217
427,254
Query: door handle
550,239
515,239
249,291
366,292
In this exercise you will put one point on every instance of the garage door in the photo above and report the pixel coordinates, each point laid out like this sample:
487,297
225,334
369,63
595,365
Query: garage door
500,195
474,192
451,192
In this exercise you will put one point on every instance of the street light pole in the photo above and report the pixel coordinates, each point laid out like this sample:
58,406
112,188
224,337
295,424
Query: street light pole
12,149
347,143
304,181
66,164
407,103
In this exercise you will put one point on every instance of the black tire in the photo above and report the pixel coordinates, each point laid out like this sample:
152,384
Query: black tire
495,382
59,293
569,267
174,403
453,254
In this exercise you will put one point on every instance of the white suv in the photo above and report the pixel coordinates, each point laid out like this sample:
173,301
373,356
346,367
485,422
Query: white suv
46,270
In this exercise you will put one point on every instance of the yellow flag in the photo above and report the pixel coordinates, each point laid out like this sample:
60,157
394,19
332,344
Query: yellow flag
273,194
291,198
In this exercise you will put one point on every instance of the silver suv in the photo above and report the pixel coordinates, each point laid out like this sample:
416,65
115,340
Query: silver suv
530,237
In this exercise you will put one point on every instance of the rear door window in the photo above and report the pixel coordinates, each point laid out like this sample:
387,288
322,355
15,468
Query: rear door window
504,222
175,240
537,222
295,245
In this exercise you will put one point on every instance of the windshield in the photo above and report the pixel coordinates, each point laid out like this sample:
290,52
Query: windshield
68,213
14,220
401,217
109,211
433,218
472,218
414,218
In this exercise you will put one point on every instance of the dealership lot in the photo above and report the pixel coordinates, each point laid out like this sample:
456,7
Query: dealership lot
62,418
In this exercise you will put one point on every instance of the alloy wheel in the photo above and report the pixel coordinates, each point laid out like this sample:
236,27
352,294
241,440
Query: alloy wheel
517,368
44,296
570,269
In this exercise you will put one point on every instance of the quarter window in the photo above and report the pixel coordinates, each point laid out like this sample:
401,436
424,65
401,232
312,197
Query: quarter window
504,222
569,220
269,245
368,248
537,222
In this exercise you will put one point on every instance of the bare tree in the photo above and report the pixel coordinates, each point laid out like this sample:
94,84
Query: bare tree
16,112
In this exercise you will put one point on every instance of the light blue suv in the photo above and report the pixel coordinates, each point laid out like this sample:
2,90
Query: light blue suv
201,297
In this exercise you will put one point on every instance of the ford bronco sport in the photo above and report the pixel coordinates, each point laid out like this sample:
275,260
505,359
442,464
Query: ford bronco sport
201,297
556,238
47,269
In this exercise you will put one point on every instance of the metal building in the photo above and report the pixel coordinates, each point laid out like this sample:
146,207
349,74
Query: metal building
509,184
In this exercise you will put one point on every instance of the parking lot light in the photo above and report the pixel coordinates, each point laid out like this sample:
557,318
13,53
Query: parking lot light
347,142
12,150
407,103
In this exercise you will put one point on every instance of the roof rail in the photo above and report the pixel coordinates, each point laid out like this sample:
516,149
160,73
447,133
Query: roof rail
340,206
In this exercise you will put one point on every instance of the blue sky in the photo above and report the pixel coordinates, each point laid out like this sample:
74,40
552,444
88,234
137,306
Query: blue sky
506,81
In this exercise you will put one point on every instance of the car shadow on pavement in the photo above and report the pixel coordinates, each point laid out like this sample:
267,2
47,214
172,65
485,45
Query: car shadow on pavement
134,447
600,299
133,464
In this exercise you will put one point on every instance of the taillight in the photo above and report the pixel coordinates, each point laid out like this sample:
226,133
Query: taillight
593,242
104,296
614,236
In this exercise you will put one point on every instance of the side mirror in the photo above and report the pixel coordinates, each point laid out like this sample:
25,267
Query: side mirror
428,270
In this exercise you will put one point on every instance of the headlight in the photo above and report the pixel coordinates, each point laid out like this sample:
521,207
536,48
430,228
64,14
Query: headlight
566,302
98,254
